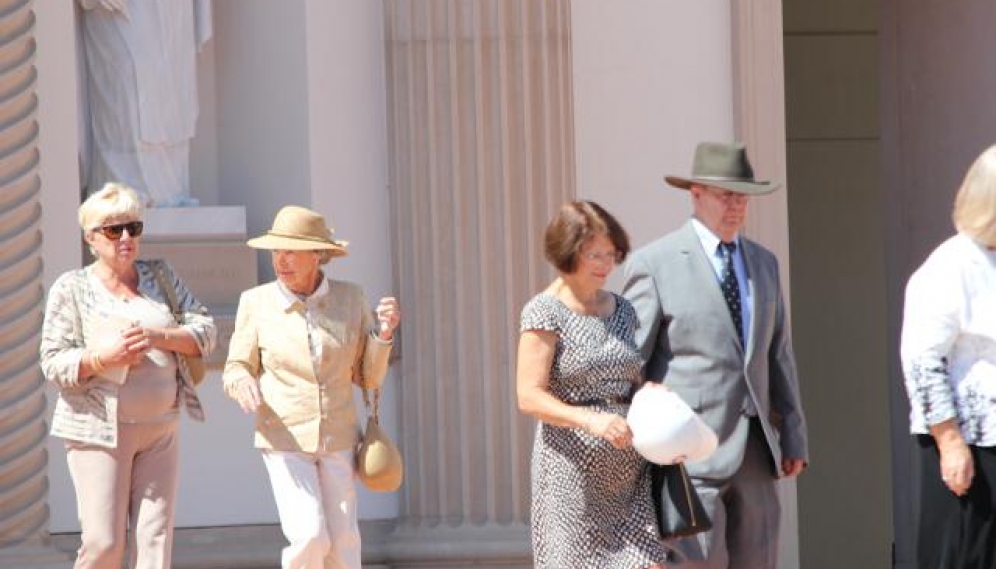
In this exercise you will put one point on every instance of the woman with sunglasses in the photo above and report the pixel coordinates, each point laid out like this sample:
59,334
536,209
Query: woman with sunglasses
110,346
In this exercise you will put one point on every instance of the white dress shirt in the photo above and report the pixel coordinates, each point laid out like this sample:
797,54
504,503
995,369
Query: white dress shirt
312,311
710,244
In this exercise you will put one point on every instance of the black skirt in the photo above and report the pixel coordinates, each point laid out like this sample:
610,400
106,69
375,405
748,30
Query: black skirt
956,532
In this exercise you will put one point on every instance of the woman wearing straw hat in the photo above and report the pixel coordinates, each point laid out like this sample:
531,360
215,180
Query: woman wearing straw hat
299,344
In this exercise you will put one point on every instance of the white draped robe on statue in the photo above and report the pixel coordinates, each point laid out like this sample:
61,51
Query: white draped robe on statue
141,92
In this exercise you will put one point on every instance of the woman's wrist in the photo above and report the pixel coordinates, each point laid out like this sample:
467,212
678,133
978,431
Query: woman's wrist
96,364
169,335
588,421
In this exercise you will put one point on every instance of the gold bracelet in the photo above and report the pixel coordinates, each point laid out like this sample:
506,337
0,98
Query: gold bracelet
95,364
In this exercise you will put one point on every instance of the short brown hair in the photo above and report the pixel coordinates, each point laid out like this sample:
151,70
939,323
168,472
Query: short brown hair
573,226
975,205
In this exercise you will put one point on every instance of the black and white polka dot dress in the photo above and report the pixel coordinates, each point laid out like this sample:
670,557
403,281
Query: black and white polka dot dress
591,505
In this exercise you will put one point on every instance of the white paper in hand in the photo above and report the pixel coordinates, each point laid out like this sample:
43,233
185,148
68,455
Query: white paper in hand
108,332
666,430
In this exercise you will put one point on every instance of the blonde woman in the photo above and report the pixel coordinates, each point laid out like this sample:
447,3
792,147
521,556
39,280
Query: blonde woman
110,346
299,344
948,351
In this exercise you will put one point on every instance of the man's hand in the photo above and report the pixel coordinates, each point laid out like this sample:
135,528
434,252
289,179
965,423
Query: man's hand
792,467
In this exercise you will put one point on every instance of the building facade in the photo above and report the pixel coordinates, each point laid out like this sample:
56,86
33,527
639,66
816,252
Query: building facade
438,136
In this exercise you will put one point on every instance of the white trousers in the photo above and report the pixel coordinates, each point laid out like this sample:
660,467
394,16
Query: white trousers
316,501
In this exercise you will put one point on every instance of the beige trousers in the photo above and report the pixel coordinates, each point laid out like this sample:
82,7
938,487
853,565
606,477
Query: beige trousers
131,485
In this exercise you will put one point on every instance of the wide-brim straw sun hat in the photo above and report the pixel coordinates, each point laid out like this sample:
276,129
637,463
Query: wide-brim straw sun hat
725,166
297,228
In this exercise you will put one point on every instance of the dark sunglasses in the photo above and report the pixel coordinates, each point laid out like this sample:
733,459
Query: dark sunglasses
115,231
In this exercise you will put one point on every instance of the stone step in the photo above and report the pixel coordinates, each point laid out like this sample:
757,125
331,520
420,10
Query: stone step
226,547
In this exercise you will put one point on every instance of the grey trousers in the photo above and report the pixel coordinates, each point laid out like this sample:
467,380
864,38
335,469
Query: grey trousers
745,514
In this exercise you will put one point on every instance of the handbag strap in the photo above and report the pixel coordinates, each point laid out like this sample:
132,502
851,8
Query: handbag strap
373,411
168,290
688,492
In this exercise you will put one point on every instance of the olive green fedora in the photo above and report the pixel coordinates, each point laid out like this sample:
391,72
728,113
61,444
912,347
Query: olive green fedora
725,166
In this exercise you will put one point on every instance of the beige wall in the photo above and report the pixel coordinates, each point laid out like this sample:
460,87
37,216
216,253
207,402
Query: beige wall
57,111
837,240
263,155
60,196
642,103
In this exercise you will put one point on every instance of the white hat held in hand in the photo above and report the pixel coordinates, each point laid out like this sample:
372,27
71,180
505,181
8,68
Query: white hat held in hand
666,430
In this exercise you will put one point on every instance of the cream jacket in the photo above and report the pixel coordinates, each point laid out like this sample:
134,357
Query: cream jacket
305,407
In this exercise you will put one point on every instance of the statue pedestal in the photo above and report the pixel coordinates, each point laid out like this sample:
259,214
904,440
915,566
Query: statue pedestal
207,247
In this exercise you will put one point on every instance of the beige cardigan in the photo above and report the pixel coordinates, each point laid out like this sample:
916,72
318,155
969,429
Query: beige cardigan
302,410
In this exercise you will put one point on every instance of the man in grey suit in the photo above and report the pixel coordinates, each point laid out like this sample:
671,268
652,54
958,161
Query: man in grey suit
713,328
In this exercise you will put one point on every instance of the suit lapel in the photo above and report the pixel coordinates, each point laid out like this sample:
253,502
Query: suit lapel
759,288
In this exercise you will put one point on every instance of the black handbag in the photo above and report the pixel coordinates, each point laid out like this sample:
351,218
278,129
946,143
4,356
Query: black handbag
679,510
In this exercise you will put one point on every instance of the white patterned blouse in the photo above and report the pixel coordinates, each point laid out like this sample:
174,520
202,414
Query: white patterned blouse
948,344
87,408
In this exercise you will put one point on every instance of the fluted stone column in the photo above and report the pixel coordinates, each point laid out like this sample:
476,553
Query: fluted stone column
759,110
482,154
23,460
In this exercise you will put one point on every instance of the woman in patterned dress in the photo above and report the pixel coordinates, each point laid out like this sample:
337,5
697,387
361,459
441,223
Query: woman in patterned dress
948,351
577,368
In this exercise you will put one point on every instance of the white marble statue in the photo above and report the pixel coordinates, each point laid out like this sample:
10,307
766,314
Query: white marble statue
140,94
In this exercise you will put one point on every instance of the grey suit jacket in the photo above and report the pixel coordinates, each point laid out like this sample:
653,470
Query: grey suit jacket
689,341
